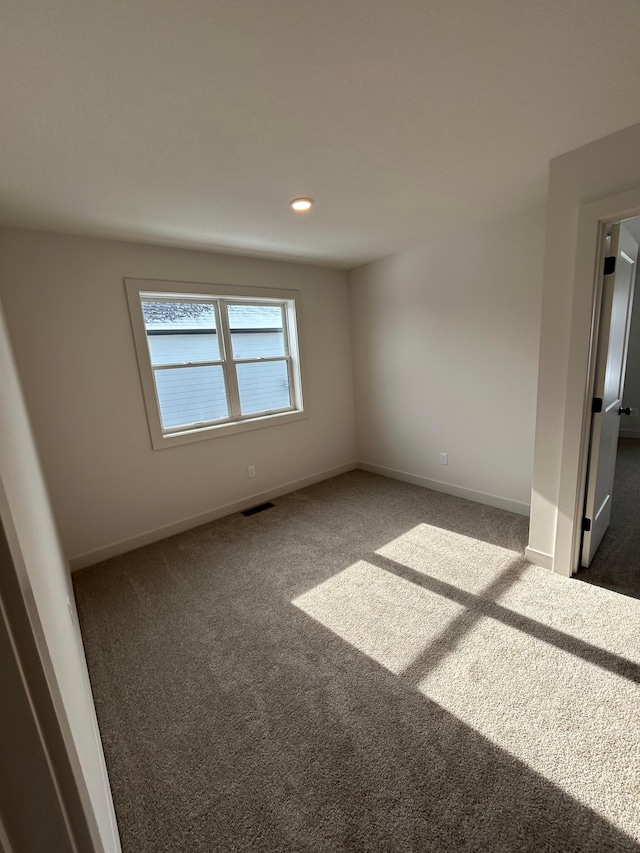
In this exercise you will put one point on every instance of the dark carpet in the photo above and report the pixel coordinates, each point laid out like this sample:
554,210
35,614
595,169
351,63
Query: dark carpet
616,564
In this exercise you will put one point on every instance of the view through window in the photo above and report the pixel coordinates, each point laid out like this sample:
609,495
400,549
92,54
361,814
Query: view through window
216,361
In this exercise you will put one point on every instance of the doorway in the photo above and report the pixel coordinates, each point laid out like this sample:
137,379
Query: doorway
609,554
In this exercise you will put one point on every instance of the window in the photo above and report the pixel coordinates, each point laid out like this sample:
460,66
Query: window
214,360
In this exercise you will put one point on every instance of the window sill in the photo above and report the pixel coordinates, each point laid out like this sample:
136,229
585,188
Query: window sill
160,441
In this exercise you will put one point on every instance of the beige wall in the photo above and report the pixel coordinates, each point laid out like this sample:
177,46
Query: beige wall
445,348
67,313
596,172
44,583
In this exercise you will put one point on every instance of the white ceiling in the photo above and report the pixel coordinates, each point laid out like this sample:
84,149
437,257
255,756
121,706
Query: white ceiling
194,122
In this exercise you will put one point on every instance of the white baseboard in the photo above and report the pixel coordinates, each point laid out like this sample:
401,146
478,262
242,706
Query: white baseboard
629,433
449,489
539,558
124,545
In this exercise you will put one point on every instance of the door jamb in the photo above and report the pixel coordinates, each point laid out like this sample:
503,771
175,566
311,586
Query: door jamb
593,220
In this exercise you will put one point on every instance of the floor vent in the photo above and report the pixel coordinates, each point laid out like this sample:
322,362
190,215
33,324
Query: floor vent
259,508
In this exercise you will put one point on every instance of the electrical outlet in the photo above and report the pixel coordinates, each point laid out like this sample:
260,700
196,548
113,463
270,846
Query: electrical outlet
251,472
444,458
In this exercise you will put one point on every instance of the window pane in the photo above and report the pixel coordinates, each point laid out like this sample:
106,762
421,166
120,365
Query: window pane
180,332
263,386
188,395
256,330
182,349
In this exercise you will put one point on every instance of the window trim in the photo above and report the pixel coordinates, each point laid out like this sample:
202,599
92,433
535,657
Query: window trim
137,289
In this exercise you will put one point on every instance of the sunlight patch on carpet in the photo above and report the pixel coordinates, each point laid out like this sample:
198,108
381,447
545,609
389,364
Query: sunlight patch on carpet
543,674
567,719
386,617
445,554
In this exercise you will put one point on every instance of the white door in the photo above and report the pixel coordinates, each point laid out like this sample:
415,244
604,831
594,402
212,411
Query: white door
611,361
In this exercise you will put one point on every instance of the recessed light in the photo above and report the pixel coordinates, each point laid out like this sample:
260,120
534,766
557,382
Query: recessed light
301,205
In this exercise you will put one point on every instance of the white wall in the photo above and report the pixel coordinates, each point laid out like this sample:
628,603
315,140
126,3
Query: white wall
67,314
44,581
603,169
630,426
445,348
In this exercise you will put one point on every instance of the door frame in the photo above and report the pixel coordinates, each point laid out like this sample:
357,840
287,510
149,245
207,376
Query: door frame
593,220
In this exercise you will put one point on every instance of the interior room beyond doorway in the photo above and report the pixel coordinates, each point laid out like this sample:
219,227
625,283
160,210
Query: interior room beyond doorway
616,564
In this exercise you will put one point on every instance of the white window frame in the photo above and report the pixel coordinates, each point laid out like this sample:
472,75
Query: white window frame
220,296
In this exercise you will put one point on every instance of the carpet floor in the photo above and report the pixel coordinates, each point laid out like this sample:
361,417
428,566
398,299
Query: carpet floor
616,564
367,666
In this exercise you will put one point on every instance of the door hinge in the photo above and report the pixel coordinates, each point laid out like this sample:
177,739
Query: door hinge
586,524
610,265
596,405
